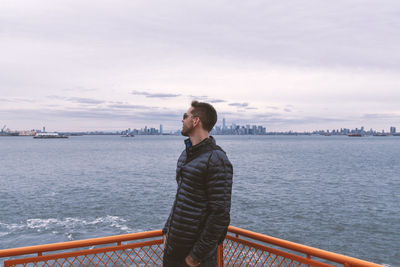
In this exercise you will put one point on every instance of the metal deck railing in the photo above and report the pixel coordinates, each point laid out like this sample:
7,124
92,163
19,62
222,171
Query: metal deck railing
240,248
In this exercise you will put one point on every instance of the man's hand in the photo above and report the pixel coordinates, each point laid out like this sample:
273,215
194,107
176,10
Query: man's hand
164,237
191,262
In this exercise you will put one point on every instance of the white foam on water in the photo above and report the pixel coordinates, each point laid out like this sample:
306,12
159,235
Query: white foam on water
69,236
113,221
12,226
53,224
41,224
116,222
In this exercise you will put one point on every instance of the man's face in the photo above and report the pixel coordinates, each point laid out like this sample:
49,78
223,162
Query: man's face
187,122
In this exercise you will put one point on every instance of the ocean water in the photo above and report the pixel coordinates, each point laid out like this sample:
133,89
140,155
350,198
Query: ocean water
335,193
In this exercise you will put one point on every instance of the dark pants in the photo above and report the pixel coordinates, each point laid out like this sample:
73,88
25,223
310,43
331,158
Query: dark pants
209,261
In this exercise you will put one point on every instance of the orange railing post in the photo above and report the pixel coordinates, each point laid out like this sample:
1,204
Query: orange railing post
220,256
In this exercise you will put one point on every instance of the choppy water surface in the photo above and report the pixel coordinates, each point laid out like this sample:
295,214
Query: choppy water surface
335,193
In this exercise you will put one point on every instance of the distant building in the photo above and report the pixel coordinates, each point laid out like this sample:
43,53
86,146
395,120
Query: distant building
392,130
238,129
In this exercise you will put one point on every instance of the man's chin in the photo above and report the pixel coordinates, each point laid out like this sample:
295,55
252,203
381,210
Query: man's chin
184,133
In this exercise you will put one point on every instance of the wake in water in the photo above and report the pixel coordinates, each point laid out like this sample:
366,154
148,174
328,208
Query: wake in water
67,226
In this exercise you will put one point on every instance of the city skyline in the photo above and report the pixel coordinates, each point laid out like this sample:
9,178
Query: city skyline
76,65
222,128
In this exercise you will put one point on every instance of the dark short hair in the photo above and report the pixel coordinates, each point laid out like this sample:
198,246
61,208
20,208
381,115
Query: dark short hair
206,113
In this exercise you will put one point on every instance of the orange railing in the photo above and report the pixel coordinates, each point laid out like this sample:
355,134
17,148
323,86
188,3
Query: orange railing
247,248
240,248
142,249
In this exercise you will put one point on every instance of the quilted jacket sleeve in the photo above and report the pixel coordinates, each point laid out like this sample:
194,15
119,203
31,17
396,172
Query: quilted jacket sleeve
218,190
166,226
168,222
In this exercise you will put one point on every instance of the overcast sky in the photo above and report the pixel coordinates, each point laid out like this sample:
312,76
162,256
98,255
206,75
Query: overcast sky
75,65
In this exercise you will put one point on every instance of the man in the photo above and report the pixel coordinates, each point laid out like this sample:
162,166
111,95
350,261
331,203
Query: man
200,216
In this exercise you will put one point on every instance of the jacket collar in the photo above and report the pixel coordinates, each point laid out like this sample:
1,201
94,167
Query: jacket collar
191,150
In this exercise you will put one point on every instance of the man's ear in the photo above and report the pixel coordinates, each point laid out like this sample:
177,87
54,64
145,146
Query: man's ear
197,121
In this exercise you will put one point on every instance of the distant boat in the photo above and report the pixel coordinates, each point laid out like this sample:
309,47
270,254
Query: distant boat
128,135
396,134
380,134
9,134
354,135
49,135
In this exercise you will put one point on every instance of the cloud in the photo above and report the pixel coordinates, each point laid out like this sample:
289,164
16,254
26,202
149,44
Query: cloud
56,97
393,116
79,89
5,100
163,95
241,105
15,100
83,100
104,114
244,105
154,95
198,96
271,51
278,119
80,100
127,106
275,32
134,92
217,101
205,98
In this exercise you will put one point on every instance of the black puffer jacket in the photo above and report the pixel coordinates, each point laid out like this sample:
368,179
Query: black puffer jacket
200,216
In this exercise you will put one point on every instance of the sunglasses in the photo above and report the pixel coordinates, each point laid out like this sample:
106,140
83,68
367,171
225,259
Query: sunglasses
185,115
